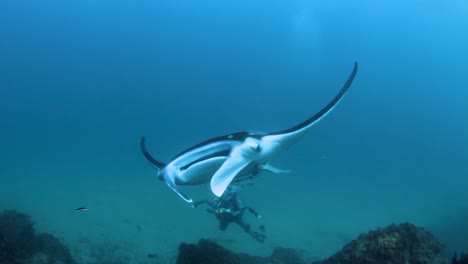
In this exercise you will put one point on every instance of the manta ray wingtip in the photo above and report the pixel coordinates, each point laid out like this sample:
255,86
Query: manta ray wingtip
148,156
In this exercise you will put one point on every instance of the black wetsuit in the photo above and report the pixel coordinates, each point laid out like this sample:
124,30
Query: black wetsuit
230,209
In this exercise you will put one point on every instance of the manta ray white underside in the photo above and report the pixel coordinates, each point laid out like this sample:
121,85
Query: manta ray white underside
234,157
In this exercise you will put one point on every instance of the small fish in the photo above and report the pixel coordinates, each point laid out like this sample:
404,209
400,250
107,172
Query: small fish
81,209
153,256
139,228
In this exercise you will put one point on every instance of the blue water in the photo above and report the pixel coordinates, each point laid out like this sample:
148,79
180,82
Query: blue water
82,81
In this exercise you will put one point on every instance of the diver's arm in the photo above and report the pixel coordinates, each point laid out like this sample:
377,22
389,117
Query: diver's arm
241,207
209,203
253,211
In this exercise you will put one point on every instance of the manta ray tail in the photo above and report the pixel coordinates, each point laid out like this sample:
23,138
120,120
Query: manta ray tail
148,156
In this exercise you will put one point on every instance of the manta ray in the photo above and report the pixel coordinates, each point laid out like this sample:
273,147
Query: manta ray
234,157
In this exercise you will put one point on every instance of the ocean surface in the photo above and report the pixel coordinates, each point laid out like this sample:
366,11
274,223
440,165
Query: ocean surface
82,81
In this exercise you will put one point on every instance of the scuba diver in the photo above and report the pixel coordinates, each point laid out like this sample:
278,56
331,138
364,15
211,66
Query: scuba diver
229,209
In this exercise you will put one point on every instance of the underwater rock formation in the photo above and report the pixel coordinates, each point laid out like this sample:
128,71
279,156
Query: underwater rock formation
4,258
17,233
209,252
395,244
462,260
282,255
19,244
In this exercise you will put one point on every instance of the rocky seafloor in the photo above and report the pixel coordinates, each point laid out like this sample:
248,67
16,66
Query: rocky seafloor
396,244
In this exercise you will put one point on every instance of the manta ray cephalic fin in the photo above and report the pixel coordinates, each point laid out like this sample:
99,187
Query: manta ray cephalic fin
233,165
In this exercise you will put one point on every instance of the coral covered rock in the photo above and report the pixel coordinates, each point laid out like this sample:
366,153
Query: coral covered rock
208,252
395,244
19,244
18,234
4,258
282,255
462,260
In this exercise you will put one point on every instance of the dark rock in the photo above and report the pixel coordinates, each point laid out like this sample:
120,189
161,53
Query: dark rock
285,256
3,249
209,252
395,244
55,251
462,260
17,234
4,257
19,244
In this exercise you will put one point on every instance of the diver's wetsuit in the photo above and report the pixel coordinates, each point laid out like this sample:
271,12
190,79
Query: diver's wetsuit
229,208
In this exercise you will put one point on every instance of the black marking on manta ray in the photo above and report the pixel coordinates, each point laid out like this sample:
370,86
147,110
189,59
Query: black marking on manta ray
239,136
223,153
327,108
